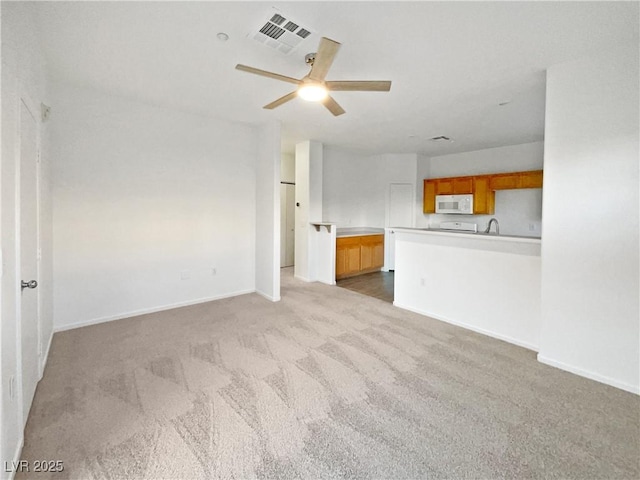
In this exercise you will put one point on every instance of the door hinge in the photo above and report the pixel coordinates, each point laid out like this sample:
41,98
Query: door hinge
39,254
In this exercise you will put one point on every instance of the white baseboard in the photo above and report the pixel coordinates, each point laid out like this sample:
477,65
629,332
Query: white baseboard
268,297
16,457
302,278
45,357
144,311
505,338
590,375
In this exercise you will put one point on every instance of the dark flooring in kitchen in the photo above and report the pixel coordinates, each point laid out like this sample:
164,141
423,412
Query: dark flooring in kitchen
376,284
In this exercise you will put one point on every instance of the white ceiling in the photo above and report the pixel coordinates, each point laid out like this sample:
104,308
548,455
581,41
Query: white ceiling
451,63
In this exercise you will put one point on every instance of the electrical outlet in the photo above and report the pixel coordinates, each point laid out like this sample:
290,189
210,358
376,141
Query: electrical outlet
422,282
185,275
213,271
532,227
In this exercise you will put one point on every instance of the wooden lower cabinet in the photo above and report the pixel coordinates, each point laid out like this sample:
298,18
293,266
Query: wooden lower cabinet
357,255
371,252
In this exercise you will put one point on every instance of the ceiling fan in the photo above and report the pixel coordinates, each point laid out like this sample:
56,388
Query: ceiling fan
313,86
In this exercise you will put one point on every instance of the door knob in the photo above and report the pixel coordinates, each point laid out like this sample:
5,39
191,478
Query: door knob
31,284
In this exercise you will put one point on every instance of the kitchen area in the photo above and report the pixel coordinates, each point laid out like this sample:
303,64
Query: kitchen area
450,269
441,236
366,200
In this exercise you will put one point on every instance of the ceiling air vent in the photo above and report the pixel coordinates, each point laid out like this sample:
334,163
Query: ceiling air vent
270,30
280,32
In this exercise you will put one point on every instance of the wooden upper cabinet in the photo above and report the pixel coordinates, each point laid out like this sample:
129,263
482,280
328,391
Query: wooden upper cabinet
531,179
484,199
444,186
462,185
483,188
429,196
505,181
508,181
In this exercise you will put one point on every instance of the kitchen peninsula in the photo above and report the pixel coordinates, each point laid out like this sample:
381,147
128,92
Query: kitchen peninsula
486,283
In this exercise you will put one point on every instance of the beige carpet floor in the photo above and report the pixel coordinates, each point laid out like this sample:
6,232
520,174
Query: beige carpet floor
327,383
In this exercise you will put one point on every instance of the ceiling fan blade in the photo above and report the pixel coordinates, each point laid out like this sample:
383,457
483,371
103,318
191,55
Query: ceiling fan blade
264,73
360,86
324,58
333,106
281,100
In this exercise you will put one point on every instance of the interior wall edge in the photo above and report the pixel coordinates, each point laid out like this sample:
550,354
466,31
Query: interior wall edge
145,311
47,350
271,298
489,333
590,375
17,455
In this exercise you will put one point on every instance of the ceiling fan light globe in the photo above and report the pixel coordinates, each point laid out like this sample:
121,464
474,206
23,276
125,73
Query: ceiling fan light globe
312,92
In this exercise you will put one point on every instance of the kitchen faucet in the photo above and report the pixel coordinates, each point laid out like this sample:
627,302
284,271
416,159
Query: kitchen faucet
486,230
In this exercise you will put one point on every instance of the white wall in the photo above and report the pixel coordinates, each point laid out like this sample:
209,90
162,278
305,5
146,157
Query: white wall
308,171
146,203
22,73
356,187
268,212
288,168
518,211
590,279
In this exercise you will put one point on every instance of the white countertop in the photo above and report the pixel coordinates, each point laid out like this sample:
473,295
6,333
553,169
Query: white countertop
457,234
358,231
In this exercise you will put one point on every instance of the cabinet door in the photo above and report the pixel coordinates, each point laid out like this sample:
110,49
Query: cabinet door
347,256
444,186
463,185
483,196
429,197
531,179
366,256
341,260
378,253
371,252
505,181
352,255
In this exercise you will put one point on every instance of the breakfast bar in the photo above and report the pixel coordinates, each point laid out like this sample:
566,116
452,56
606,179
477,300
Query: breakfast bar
486,283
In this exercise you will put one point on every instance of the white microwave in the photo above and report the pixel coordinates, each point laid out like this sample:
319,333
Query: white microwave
460,204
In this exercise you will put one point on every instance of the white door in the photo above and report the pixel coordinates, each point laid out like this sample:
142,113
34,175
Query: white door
29,334
287,224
